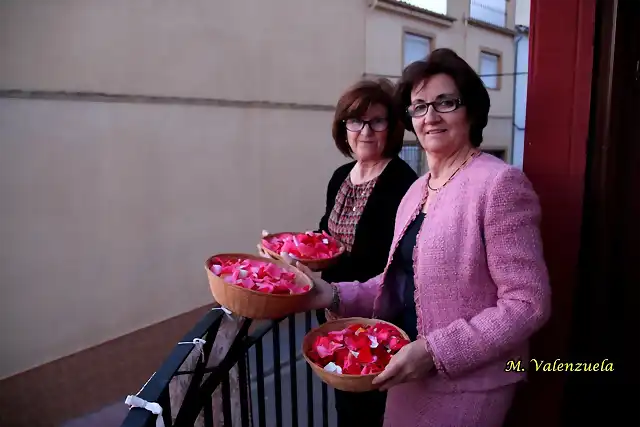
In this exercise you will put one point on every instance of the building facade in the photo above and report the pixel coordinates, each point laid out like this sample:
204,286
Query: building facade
481,31
523,18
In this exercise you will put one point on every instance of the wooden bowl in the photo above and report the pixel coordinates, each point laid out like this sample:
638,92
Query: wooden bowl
253,304
344,382
313,264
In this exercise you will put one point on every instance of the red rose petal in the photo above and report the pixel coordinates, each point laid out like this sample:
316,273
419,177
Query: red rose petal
396,343
381,356
351,365
351,348
364,355
373,368
352,328
340,356
325,347
337,336
308,246
357,342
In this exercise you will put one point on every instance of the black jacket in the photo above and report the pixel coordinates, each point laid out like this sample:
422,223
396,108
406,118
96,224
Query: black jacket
374,231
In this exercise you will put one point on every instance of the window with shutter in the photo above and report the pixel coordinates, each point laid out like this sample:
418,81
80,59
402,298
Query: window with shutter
490,69
415,48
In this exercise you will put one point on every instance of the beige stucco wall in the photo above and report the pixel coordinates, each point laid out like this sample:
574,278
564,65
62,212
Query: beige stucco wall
108,209
277,50
523,12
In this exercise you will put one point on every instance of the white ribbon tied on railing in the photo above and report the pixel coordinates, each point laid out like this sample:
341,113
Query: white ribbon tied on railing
225,309
154,408
198,343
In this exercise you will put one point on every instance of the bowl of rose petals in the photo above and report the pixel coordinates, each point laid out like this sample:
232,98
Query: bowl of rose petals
315,250
256,287
349,353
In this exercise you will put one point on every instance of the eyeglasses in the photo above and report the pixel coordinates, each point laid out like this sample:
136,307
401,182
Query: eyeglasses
446,105
377,125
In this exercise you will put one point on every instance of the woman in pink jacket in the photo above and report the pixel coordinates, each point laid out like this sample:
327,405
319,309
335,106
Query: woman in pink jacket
465,276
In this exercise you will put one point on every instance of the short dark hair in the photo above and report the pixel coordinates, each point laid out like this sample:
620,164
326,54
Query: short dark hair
354,103
472,90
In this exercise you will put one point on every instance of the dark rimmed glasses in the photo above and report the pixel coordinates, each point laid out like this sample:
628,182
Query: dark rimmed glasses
377,125
445,105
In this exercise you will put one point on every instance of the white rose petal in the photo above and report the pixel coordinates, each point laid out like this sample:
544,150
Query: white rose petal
325,241
216,269
332,367
355,353
242,274
374,341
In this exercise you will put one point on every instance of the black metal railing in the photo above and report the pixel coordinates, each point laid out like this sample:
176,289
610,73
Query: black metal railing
263,362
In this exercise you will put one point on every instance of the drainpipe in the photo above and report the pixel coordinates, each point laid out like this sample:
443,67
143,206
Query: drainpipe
513,107
372,5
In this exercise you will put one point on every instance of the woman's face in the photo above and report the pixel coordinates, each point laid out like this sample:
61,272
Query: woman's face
442,133
367,135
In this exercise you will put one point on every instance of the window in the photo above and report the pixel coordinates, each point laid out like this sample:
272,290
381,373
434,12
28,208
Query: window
490,69
415,48
437,6
492,12
412,154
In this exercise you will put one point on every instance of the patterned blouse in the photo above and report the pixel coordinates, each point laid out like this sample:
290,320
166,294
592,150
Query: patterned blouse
350,202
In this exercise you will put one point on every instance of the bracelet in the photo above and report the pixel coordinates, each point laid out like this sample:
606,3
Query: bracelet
335,301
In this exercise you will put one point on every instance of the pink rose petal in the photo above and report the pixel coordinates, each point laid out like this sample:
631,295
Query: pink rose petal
261,276
305,246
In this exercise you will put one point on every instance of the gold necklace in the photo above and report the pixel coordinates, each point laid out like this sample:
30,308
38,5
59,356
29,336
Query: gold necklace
453,174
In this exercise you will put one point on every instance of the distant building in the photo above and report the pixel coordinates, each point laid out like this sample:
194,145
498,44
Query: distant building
523,12
481,31
520,98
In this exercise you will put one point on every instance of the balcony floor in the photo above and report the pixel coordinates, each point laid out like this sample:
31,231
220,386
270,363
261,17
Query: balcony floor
114,414
109,416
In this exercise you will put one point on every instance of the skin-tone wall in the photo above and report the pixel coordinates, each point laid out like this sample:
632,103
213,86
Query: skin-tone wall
109,209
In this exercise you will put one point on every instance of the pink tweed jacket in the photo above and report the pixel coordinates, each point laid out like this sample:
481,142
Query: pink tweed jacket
481,281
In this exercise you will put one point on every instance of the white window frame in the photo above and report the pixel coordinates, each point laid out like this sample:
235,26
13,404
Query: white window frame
493,12
418,154
491,78
408,34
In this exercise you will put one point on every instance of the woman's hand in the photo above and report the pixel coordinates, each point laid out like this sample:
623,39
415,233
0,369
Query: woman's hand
412,362
322,295
261,252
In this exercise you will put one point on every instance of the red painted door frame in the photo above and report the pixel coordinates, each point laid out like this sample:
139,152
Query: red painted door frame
558,108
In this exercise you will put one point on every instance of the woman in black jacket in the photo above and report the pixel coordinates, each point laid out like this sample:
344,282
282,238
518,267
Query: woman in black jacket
362,200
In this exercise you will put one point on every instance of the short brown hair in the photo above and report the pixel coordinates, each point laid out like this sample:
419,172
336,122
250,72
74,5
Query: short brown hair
473,93
354,104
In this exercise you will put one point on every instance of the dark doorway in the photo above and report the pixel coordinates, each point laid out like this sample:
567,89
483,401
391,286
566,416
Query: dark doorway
607,304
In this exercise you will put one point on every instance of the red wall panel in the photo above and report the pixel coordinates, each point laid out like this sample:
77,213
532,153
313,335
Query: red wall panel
558,107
